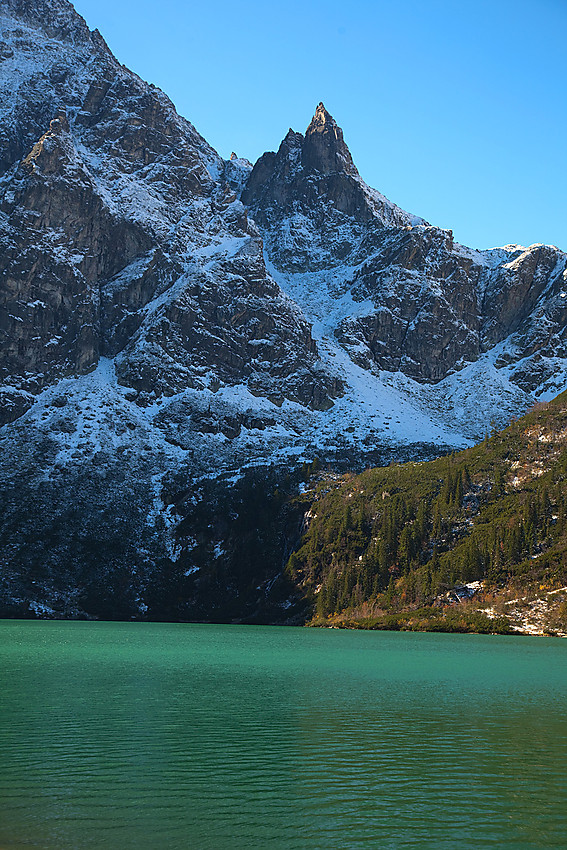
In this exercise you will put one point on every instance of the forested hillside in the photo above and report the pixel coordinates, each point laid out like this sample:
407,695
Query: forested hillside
405,538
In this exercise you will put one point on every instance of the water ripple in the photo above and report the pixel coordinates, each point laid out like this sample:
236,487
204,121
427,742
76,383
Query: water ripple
205,737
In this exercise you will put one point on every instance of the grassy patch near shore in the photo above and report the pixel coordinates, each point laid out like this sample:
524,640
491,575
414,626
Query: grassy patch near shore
421,620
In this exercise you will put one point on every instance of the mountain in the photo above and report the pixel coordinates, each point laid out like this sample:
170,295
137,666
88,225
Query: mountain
181,334
421,305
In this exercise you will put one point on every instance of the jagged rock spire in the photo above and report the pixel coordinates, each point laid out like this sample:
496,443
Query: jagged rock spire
279,181
324,149
322,121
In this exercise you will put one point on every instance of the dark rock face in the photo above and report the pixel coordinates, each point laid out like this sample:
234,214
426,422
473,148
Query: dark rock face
179,334
520,292
427,321
59,240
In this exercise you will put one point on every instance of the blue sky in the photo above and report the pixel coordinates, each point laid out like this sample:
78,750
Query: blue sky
457,111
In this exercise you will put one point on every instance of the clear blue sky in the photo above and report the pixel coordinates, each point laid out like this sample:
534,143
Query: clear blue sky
454,109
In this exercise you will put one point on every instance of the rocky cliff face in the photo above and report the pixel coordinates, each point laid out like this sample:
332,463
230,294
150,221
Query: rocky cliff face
181,333
110,201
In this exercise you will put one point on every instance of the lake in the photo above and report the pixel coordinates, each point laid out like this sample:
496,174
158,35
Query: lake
135,735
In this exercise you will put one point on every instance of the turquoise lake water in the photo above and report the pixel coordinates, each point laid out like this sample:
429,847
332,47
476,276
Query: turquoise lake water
131,735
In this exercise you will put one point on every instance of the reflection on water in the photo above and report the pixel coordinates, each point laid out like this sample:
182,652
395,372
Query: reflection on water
129,735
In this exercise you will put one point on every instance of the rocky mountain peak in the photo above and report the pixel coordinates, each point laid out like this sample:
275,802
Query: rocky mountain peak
310,202
322,120
324,148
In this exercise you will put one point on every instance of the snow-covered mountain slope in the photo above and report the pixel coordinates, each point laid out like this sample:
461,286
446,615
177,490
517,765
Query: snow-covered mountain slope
180,334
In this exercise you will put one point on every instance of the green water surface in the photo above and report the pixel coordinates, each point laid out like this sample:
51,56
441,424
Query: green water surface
131,735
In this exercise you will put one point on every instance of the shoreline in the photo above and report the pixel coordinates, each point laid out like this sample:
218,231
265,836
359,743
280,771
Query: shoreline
401,621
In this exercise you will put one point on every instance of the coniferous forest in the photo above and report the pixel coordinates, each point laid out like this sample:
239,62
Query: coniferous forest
395,547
